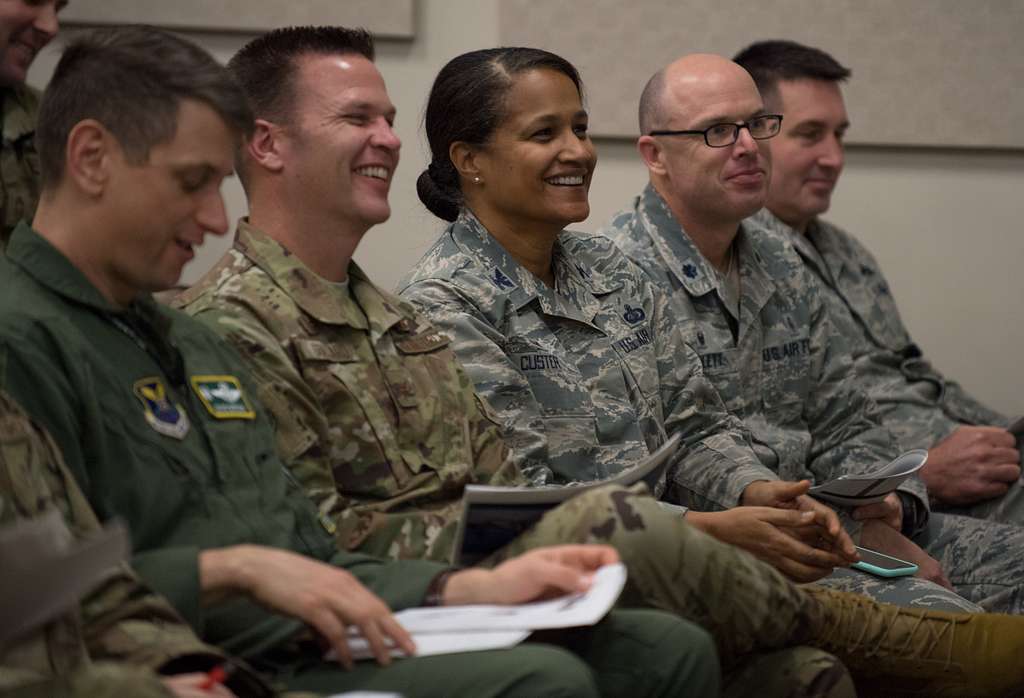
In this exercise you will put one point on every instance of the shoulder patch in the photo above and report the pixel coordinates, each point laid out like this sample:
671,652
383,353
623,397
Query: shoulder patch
164,416
501,280
223,397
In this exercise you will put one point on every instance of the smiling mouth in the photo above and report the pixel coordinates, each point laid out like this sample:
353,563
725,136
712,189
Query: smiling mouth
374,171
565,180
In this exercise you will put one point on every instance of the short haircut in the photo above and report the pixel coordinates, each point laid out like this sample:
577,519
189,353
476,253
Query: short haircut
132,80
768,62
467,104
652,104
267,66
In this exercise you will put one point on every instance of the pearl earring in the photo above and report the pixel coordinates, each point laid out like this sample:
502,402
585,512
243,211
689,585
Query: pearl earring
476,180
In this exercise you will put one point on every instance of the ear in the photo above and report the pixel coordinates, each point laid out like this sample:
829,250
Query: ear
466,160
650,152
87,156
265,146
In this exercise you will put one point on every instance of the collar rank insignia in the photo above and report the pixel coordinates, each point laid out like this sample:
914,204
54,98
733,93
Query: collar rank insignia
163,415
501,280
223,397
634,315
690,271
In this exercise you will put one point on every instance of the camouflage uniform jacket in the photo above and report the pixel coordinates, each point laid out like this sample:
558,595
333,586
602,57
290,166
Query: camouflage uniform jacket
374,414
587,377
157,420
19,161
776,366
121,620
919,404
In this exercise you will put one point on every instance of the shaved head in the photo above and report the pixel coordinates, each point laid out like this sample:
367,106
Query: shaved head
695,85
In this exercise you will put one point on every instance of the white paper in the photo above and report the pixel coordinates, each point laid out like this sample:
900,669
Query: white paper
868,488
447,629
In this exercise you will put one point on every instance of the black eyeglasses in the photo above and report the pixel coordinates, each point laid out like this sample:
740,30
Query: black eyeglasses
723,135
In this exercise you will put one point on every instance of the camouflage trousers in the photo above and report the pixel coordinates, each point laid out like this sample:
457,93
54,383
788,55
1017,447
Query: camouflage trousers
94,681
755,615
1008,509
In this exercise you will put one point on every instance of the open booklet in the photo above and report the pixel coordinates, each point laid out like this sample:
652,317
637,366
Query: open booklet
443,630
868,488
46,572
494,516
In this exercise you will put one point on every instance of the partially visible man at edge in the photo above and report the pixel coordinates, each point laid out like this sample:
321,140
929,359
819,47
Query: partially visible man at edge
764,333
327,341
122,639
29,25
155,418
973,463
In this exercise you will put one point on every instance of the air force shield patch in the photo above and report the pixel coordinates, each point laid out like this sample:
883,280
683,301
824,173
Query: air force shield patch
164,416
223,397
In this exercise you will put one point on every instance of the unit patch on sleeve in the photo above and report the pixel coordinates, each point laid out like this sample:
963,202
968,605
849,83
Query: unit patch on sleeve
223,397
163,415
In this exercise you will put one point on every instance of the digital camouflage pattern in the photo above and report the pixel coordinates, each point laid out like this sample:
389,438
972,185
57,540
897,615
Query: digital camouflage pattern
918,404
374,415
122,625
775,366
587,377
19,161
786,373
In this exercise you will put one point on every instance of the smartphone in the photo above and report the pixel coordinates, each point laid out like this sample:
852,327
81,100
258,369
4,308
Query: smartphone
880,565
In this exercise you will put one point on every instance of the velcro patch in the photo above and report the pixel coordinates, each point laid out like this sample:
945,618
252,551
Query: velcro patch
223,397
164,416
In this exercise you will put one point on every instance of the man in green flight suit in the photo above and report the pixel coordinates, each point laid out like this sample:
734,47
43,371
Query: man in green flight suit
26,26
158,424
372,412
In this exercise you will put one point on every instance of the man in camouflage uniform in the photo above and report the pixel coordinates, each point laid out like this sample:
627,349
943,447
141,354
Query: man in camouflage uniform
764,335
26,26
346,368
973,464
121,633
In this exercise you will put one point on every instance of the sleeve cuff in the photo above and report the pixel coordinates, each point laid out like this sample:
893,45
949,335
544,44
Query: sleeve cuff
174,572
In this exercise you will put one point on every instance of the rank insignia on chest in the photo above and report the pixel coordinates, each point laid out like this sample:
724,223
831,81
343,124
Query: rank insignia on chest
690,271
223,397
164,416
634,315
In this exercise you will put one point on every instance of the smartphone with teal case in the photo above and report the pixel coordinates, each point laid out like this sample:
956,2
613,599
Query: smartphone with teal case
880,565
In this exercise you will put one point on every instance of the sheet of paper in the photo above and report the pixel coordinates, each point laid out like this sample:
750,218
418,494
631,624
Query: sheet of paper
564,612
45,572
428,644
442,630
867,488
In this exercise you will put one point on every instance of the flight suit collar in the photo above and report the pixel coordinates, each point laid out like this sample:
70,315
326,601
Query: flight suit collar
364,307
47,265
575,284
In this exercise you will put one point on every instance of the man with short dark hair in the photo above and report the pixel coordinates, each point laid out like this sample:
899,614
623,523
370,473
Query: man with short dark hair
158,422
973,463
764,335
26,26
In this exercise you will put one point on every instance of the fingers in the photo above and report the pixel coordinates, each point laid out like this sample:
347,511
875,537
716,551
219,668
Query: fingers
1007,473
325,622
995,436
587,557
555,575
403,640
375,639
786,492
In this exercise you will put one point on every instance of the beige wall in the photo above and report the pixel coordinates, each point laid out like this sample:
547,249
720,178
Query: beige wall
945,225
